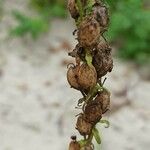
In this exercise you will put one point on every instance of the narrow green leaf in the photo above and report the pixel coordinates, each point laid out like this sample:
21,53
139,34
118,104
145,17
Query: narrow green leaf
96,135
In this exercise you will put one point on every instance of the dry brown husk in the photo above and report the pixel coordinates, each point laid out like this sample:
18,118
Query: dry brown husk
87,76
102,59
104,99
72,77
84,127
74,145
93,112
89,32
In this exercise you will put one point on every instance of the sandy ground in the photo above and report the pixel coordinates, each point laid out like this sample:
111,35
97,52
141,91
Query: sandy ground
37,105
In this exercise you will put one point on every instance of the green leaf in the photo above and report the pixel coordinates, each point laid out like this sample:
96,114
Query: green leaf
88,59
106,122
96,135
32,25
88,8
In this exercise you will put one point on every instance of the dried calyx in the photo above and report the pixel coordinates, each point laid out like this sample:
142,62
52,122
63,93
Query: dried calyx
93,60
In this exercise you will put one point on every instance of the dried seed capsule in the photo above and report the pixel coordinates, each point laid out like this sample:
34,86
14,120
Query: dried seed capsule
74,145
101,15
102,59
87,147
89,32
87,76
72,77
93,112
104,99
84,127
73,9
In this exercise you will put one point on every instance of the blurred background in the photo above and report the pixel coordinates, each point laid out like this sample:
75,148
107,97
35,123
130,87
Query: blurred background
36,103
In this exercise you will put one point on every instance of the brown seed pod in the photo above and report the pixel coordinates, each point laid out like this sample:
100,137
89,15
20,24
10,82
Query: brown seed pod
87,147
104,99
87,76
84,127
93,112
101,14
102,59
74,145
72,76
73,9
89,32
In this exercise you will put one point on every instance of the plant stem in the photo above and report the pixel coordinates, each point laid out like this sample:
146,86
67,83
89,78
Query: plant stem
93,92
81,12
88,57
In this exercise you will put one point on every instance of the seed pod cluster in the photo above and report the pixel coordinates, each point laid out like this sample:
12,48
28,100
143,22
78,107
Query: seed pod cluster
93,61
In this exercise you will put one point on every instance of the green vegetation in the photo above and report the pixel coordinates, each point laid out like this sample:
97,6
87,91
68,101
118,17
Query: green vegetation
28,25
50,8
129,25
47,9
1,9
130,29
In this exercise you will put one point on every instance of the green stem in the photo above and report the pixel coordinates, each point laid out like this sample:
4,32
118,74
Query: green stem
90,138
81,12
93,92
88,57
